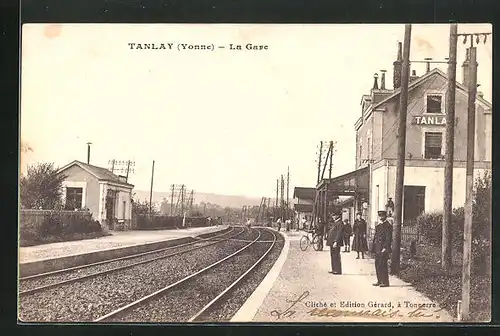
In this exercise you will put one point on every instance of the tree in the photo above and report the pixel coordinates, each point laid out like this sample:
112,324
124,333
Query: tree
41,188
142,208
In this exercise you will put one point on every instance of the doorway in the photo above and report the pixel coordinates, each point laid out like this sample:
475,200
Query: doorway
413,203
111,208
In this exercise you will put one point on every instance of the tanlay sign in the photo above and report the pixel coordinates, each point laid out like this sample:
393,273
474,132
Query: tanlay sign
434,120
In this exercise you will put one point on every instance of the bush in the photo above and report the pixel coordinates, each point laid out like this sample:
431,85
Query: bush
481,256
430,226
65,224
52,225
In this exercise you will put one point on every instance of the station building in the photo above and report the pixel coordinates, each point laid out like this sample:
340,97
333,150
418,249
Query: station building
304,202
108,197
374,180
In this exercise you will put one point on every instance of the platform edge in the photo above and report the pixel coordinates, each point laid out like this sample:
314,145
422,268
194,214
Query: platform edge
249,309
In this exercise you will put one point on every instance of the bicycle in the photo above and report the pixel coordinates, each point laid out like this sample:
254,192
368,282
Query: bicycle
314,240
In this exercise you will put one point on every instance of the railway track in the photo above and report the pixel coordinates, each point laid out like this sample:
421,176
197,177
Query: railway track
44,281
196,295
90,298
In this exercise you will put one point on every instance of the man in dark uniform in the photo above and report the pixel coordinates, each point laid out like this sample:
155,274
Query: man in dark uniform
381,249
320,231
335,241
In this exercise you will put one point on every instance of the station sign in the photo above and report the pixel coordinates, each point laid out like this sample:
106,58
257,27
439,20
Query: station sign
429,120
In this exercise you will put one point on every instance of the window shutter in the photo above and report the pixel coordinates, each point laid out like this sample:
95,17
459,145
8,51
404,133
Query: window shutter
433,139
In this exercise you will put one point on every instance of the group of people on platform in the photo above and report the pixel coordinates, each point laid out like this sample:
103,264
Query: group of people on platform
338,235
289,224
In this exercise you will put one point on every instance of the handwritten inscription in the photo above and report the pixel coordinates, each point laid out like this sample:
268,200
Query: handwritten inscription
382,310
289,312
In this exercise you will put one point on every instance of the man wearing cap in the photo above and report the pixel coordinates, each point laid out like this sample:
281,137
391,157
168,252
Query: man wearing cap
381,248
335,241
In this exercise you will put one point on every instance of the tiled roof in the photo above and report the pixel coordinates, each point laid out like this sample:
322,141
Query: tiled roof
421,80
100,173
304,193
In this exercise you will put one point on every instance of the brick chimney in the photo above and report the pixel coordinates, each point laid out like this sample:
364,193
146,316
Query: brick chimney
382,80
465,68
398,64
413,76
375,82
378,94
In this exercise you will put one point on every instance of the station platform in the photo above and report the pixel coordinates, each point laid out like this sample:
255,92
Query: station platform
299,289
117,239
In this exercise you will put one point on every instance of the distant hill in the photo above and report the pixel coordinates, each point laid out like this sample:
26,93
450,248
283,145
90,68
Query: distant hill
234,201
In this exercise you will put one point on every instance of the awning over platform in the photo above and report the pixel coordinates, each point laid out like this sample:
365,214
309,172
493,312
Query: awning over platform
304,193
350,184
346,202
303,207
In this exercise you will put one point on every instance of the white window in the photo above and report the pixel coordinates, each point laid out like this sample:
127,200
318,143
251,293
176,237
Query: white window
433,145
74,198
434,103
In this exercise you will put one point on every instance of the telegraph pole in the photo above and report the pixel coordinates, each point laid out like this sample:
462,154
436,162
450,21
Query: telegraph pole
287,190
172,200
469,171
88,152
331,161
151,191
282,203
182,200
319,160
395,258
113,166
450,144
276,202
128,170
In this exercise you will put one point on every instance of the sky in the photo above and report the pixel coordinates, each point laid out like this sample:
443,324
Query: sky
224,121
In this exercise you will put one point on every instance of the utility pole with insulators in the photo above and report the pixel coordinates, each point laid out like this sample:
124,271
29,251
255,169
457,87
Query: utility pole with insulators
182,200
151,191
276,201
319,160
287,189
172,200
331,161
130,164
450,143
112,163
400,169
469,170
282,197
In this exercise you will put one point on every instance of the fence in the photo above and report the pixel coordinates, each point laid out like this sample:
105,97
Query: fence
409,233
35,224
145,222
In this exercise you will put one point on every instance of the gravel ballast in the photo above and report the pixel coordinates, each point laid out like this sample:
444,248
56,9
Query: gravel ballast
228,306
88,299
30,284
182,302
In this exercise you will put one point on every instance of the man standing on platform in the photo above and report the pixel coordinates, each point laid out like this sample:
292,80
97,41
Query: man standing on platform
320,231
335,240
381,249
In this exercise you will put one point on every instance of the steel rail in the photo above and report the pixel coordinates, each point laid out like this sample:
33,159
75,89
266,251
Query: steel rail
216,299
56,284
30,277
161,291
